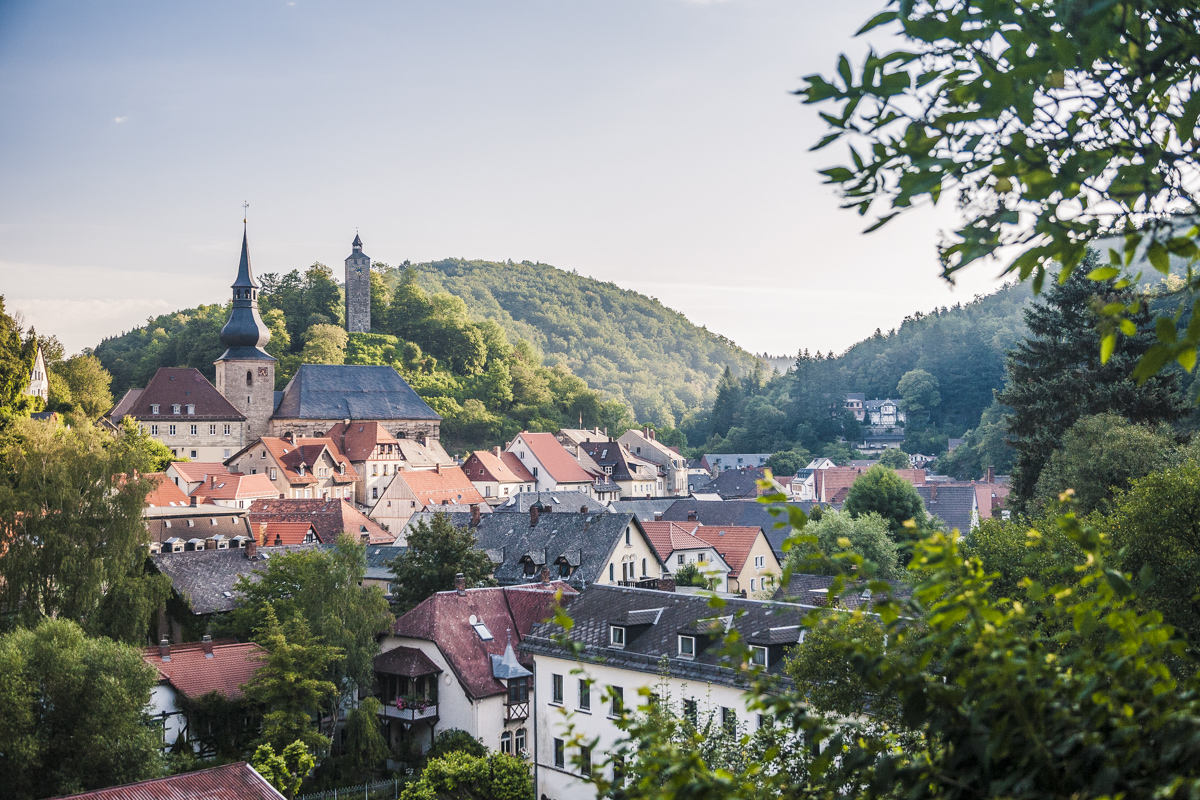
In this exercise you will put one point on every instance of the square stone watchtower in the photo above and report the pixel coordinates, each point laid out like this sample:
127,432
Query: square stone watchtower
358,290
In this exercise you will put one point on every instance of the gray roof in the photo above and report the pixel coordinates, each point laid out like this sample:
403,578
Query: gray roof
738,512
205,578
350,391
644,510
813,590
586,540
654,620
954,503
506,667
733,460
377,561
459,519
566,501
734,484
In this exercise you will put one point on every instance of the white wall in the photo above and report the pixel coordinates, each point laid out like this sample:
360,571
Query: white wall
554,721
164,699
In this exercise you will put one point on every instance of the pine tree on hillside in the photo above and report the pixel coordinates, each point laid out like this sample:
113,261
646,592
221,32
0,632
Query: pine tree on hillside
1054,376
730,394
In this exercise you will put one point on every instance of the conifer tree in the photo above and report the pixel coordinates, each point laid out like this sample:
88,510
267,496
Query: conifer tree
1054,376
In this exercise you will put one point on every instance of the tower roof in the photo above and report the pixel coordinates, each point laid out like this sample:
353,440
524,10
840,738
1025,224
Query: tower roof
357,243
245,277
245,335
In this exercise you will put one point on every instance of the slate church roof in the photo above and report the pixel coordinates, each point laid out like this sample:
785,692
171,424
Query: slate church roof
350,391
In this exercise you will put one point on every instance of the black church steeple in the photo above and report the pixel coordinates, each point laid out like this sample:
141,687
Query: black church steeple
245,335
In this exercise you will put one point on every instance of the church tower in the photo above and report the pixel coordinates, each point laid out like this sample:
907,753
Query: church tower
246,372
358,290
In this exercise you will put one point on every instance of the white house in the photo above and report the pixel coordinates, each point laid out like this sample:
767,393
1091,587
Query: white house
450,663
552,467
643,444
39,381
678,546
623,636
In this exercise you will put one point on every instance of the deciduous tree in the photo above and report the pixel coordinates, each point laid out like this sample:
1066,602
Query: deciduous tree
881,491
436,552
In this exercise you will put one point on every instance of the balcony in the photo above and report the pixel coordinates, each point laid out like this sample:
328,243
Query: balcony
410,713
643,583
516,711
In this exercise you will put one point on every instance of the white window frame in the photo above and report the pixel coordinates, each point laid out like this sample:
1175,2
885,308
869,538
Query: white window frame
759,656
616,636
687,646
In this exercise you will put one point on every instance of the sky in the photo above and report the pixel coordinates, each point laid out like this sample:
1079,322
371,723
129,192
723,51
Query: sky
652,143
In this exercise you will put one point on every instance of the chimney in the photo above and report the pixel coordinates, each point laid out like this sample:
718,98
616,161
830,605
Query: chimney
251,548
658,516
933,492
278,540
496,451
533,515
206,645
474,515
437,468
666,583
545,573
991,475
214,481
692,516
194,500
460,583
164,649
210,544
646,431
583,509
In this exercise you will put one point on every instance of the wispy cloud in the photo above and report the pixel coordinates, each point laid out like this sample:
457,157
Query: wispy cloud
119,120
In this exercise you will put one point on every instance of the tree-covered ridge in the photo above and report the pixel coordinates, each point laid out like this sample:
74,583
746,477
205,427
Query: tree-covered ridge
626,345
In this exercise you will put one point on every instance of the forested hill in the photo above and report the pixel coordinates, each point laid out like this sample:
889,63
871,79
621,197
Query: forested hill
627,345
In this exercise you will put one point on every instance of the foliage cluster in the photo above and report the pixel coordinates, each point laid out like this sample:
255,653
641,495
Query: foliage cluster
436,552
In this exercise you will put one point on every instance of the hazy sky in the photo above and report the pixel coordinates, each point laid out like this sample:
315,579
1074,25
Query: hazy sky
652,143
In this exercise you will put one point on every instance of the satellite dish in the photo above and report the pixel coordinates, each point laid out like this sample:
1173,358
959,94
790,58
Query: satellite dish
473,620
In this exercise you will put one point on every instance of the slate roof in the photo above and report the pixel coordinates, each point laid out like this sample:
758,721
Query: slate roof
444,619
646,641
329,517
738,512
407,661
564,501
954,503
178,386
554,458
195,522
205,578
736,484
585,541
377,562
237,781
125,405
459,519
350,391
644,510
711,461
194,674
613,455
813,590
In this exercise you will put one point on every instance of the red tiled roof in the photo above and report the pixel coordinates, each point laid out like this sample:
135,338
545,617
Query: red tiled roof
291,455
165,492
181,386
269,534
561,465
505,469
329,517
444,619
358,440
194,674
990,497
196,471
228,782
734,543
444,485
235,487
667,537
830,481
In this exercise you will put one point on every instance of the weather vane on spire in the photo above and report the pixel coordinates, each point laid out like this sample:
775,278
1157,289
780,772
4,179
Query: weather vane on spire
245,211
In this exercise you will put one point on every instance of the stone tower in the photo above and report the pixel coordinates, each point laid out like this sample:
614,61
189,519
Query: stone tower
246,372
358,290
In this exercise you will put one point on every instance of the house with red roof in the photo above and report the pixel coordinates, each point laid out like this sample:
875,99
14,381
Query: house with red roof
165,494
234,490
288,522
753,566
300,469
497,475
189,672
188,475
238,781
678,546
411,491
553,468
451,663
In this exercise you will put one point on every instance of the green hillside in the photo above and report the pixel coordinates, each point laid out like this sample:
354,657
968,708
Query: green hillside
626,345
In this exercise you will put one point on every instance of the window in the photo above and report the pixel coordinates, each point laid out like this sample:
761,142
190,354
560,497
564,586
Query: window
758,656
618,763
701,557
226,429
518,691
154,430
535,472
752,584
616,636
560,759
191,410
682,559
273,473
249,378
644,573
263,454
689,711
687,646
627,540
194,455
154,408
175,408
227,452
728,719
194,429
585,761
506,742
519,740
585,695
556,690
760,562
611,572
374,492
374,469
171,429
616,705
212,430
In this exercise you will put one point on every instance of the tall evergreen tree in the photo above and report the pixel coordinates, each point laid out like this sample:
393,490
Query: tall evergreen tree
729,399
1054,376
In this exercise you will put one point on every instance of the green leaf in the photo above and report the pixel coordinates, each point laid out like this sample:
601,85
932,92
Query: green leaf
1107,343
877,20
1103,273
1159,259
1164,329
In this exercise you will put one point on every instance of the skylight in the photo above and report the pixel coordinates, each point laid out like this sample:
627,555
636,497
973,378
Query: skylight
480,628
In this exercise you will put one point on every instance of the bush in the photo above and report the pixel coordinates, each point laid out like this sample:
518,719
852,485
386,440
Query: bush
455,740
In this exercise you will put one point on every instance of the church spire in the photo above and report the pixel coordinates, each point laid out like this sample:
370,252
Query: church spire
245,277
245,335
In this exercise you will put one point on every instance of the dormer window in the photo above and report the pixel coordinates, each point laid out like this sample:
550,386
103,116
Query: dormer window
616,636
687,646
758,656
191,409
342,468
175,408
154,408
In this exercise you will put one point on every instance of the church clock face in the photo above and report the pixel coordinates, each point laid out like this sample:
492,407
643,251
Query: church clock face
358,270
262,372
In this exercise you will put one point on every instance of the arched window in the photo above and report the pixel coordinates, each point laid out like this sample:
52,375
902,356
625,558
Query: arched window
249,378
506,742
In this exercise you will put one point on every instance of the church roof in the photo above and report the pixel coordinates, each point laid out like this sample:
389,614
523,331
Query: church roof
245,277
245,335
350,391
357,241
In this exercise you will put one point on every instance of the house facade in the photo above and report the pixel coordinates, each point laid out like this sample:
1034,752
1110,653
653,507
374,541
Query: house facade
643,444
442,488
754,569
300,469
633,476
678,546
497,475
181,409
39,380
552,467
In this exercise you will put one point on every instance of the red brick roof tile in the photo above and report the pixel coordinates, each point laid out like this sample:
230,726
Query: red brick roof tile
667,537
329,517
561,465
228,782
734,543
191,672
444,485
165,493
